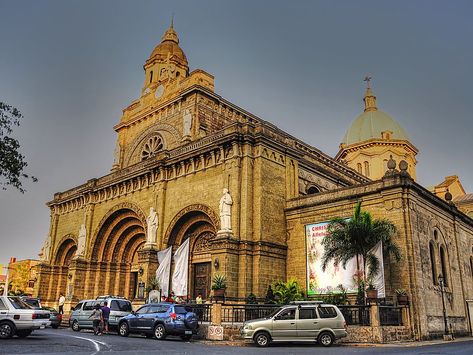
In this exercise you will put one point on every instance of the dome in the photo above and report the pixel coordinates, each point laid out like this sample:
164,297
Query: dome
371,123
169,46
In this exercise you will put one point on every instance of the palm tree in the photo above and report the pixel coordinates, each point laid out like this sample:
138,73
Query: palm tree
356,237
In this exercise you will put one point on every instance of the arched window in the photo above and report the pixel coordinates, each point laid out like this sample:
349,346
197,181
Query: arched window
443,264
177,74
358,166
367,168
433,266
150,76
151,147
313,190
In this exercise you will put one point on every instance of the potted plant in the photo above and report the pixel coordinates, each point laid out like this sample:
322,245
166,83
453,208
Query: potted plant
402,298
371,291
219,284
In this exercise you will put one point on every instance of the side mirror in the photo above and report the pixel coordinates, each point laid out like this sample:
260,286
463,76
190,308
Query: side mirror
133,312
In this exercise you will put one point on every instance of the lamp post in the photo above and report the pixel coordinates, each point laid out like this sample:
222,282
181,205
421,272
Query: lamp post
441,282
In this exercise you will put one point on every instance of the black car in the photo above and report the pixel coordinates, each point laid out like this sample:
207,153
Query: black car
160,320
55,318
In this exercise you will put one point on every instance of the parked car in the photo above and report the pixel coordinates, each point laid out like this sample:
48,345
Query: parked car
20,319
55,318
32,301
119,307
301,321
160,320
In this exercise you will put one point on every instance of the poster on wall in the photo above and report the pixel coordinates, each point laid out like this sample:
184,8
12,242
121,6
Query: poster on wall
328,281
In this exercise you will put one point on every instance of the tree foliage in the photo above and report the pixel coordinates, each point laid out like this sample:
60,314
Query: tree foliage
357,237
12,162
286,292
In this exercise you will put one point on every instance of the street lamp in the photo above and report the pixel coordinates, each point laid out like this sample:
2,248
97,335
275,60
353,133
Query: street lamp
442,284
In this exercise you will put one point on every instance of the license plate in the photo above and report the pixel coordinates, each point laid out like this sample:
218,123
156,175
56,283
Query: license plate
188,332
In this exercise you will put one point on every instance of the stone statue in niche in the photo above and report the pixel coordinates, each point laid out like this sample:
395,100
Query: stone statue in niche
44,253
81,241
187,123
226,203
116,154
152,222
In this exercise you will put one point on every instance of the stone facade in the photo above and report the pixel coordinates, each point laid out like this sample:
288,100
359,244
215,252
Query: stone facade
422,219
178,146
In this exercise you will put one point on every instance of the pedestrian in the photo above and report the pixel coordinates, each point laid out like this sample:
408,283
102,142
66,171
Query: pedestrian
199,299
62,300
97,319
105,316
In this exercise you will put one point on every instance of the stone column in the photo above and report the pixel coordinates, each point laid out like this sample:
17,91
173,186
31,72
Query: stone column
148,260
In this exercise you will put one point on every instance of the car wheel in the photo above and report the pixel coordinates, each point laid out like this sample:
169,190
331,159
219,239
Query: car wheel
325,339
262,339
123,329
186,337
23,333
6,330
159,332
75,325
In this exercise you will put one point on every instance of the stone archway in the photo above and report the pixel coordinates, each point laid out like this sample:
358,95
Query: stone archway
66,250
115,252
199,224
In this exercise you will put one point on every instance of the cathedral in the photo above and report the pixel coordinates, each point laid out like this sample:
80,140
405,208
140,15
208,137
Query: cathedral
182,149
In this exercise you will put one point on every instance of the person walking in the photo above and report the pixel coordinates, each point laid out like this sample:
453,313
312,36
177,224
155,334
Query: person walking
105,316
62,300
97,319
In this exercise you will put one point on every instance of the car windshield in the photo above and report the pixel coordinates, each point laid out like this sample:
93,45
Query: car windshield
273,313
18,303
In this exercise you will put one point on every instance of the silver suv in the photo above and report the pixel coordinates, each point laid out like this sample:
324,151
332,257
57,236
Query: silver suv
119,308
300,321
20,319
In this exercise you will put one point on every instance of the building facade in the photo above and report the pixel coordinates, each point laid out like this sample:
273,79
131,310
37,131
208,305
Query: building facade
178,147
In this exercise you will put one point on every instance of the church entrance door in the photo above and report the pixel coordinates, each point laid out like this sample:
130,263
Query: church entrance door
202,279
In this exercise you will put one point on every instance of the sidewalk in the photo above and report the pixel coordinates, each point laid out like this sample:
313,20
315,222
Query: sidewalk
388,345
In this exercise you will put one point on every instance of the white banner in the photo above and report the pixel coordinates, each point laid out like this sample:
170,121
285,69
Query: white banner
164,270
181,270
321,282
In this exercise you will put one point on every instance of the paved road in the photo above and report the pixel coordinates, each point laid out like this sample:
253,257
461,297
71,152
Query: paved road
62,341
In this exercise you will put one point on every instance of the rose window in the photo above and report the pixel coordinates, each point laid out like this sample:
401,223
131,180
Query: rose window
151,147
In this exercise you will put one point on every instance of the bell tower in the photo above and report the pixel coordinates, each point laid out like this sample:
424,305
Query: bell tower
166,63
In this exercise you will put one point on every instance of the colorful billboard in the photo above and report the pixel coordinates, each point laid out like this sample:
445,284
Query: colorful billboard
322,282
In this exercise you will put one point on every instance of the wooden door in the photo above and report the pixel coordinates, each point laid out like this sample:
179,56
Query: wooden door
202,279
133,285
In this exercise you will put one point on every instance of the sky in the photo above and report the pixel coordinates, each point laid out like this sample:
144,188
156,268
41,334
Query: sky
72,66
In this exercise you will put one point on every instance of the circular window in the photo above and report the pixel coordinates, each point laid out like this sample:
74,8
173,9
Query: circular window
151,147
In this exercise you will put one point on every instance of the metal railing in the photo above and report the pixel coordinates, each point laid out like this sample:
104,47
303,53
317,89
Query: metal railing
390,315
356,315
203,311
238,313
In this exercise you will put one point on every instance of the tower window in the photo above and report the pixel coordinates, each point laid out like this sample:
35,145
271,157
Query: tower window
150,76
359,168
367,168
177,74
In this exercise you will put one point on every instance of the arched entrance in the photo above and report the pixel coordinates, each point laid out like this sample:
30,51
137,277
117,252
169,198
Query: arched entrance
65,252
115,250
199,224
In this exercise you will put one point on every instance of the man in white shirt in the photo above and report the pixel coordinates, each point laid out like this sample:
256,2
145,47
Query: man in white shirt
62,300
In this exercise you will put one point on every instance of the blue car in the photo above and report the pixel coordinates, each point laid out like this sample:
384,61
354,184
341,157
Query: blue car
159,320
